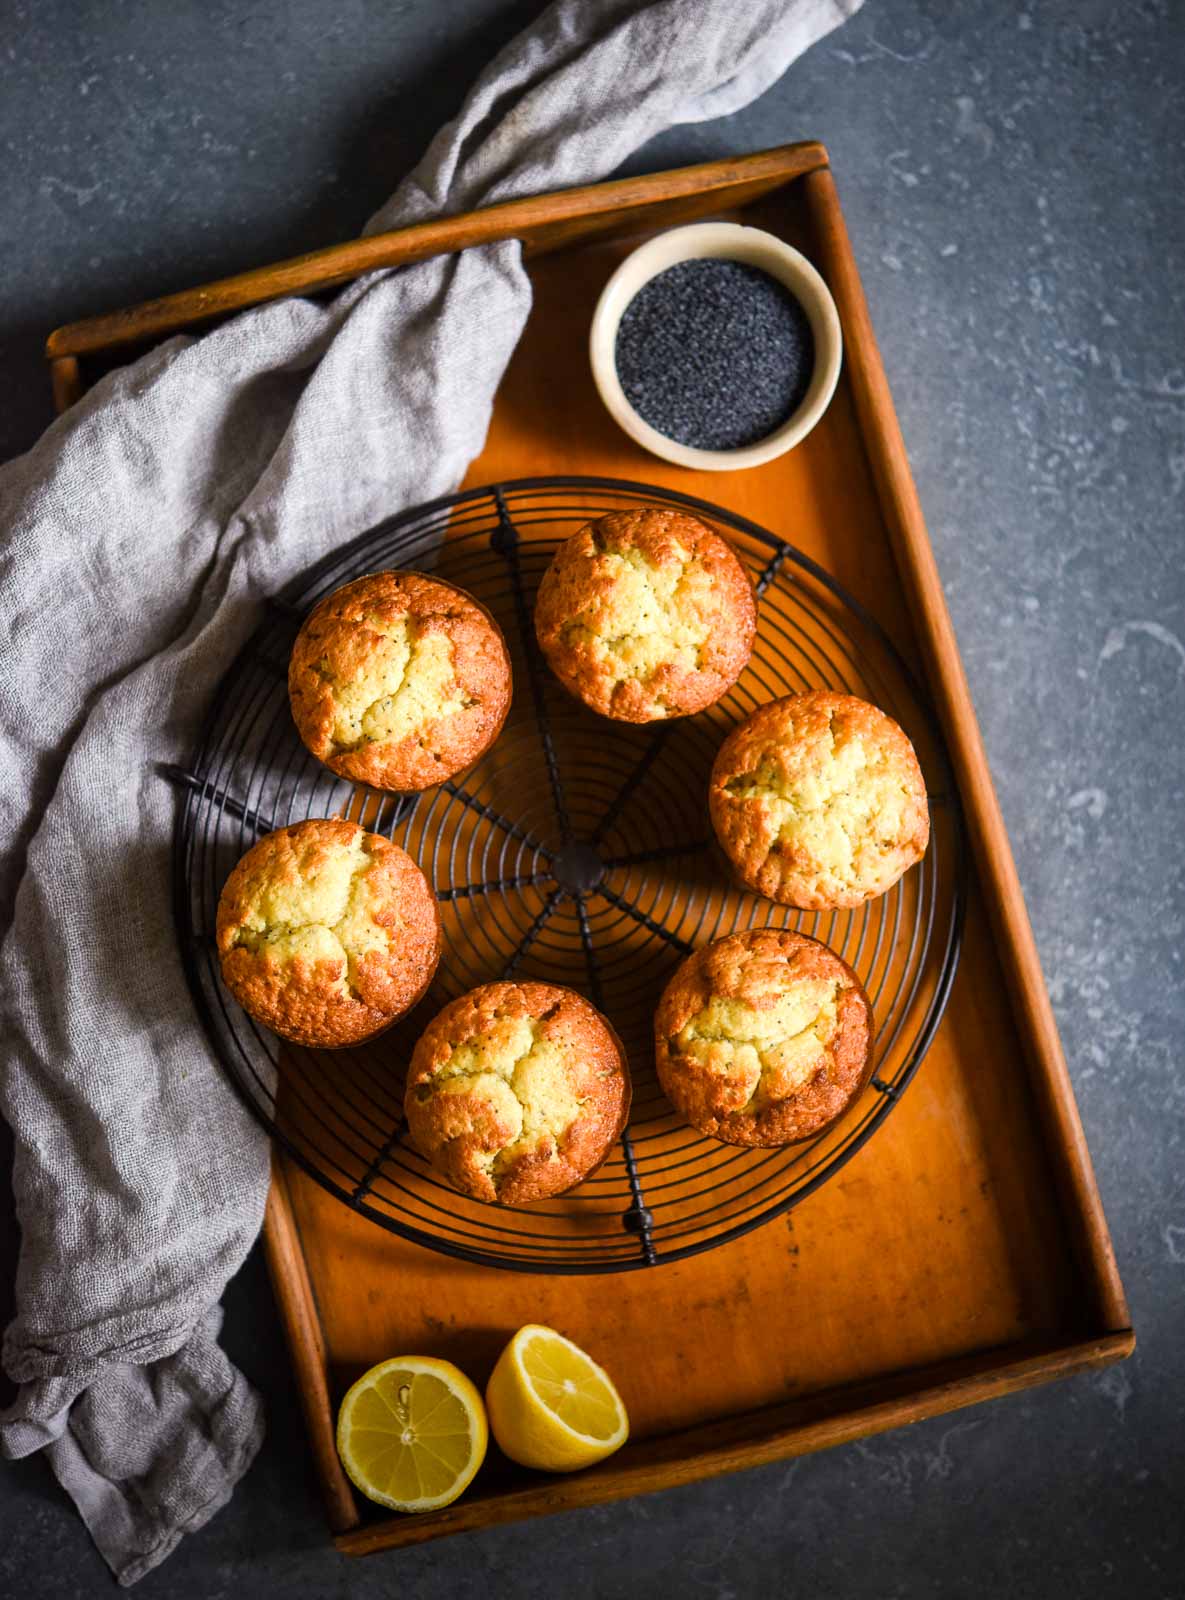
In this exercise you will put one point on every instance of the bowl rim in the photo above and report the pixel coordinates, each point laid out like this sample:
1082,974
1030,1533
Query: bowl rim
731,241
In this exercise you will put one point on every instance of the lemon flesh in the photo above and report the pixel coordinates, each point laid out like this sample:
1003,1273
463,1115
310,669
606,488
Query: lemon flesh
412,1432
550,1406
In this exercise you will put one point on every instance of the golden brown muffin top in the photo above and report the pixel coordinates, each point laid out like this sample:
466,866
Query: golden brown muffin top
763,1038
516,1091
646,614
399,681
327,933
818,801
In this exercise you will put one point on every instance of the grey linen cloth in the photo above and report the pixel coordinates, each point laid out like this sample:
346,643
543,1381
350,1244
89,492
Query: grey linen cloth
137,540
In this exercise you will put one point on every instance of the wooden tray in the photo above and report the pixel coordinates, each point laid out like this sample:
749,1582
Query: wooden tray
963,1253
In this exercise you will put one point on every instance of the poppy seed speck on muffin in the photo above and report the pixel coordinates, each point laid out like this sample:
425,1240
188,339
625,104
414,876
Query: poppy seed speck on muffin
714,354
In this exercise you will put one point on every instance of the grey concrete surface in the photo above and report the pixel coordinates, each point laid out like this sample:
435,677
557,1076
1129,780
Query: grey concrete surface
1012,180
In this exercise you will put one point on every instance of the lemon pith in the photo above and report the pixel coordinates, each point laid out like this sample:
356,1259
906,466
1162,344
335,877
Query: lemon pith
412,1432
551,1406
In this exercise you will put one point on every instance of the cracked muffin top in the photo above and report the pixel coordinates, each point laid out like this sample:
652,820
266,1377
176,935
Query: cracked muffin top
327,933
399,681
516,1091
819,802
763,1038
646,614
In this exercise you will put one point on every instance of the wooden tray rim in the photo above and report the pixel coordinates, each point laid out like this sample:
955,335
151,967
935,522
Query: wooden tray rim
753,1439
552,221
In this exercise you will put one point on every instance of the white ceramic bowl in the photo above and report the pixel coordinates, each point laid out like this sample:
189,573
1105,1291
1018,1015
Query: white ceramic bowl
730,241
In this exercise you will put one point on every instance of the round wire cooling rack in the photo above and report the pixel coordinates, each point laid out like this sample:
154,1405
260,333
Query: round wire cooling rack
576,851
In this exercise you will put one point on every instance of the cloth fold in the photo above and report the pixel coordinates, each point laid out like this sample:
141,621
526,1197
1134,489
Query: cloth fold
137,540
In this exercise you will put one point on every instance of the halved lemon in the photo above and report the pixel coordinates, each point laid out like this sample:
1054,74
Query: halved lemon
412,1432
550,1405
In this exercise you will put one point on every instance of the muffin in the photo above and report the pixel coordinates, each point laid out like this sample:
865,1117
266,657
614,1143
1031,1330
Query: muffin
327,933
763,1038
819,802
646,614
517,1091
399,681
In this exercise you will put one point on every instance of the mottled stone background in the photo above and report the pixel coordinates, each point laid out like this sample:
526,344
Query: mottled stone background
1012,177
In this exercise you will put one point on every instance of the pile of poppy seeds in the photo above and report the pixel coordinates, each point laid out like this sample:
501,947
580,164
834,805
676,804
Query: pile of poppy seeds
714,354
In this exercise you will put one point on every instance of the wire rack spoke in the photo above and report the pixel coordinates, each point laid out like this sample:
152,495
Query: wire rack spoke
532,933
643,919
637,1218
383,1154
660,852
488,814
524,837
772,568
591,966
505,541
467,891
637,773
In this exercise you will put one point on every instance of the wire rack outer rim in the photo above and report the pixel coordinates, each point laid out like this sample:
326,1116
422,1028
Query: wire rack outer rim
188,936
